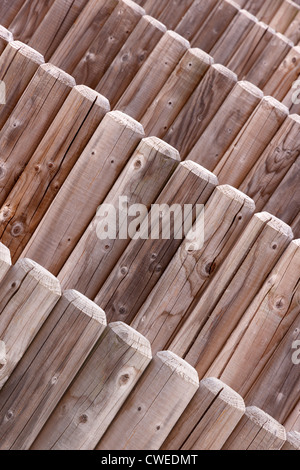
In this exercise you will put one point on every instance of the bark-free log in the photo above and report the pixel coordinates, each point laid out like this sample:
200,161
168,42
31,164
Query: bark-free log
98,392
49,366
292,441
194,17
283,78
85,188
173,11
293,30
5,261
284,15
268,10
8,10
5,38
152,409
93,259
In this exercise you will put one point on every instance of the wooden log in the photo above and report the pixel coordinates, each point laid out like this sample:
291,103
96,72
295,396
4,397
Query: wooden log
292,423
98,392
107,43
152,76
28,18
146,258
130,59
50,165
173,12
268,61
296,226
8,11
200,109
293,30
256,431
292,441
233,36
152,409
176,91
215,25
251,142
5,261
55,25
253,6
5,38
208,420
153,7
49,366
291,100
285,202
268,10
282,80
226,124
193,266
273,310
277,387
194,17
3,360
284,15
88,24
28,294
228,290
269,170
147,172
85,188
18,64
29,121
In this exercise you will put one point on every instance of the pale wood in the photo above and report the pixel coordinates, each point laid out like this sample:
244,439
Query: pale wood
292,441
268,10
291,100
144,260
98,392
273,310
195,17
18,64
284,15
208,420
49,366
152,409
28,18
233,287
90,21
296,226
176,91
200,109
277,388
3,360
28,294
130,59
251,142
153,7
62,145
29,121
152,76
256,431
193,266
173,12
253,6
293,30
8,10
292,423
215,25
5,38
55,25
226,124
274,163
5,260
84,189
283,78
145,175
269,60
233,36
107,43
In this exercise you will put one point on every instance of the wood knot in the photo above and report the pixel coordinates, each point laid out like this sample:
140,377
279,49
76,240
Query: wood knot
83,419
17,229
124,379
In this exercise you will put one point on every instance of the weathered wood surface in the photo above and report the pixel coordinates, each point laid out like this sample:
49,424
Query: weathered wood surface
144,177
98,392
193,266
18,64
200,109
283,78
153,75
5,261
262,326
250,143
29,121
256,431
177,90
146,258
49,366
130,59
152,409
85,188
296,226
226,125
28,294
8,11
292,441
293,30
173,11
107,43
284,15
292,423
39,183
5,38
208,420
268,10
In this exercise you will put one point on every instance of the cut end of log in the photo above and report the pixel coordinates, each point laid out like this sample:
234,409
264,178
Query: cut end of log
40,274
200,55
295,118
92,96
2,355
161,146
157,24
126,121
249,15
226,393
200,171
225,72
266,422
177,37
5,254
5,34
251,88
134,6
276,224
273,103
59,74
179,366
293,439
27,51
131,337
237,195
285,39
86,306
296,242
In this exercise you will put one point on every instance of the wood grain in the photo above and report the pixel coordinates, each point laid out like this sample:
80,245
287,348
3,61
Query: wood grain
293,30
8,11
5,261
292,441
283,78
173,12
194,17
284,15
5,38
268,10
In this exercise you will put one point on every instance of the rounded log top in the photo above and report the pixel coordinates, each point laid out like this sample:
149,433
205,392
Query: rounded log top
85,305
133,338
179,366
